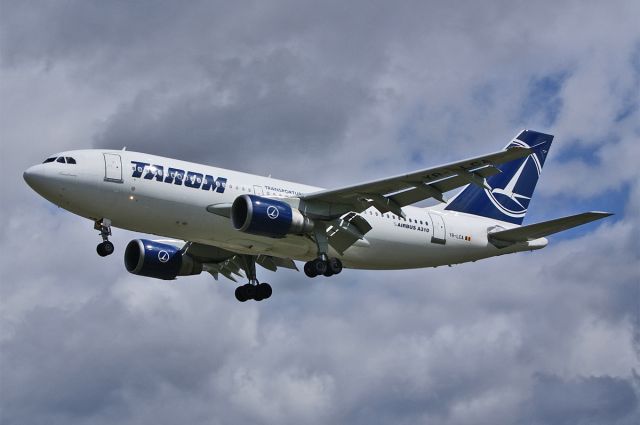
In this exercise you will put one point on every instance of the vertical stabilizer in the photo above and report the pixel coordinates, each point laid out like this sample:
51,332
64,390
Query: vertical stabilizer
509,192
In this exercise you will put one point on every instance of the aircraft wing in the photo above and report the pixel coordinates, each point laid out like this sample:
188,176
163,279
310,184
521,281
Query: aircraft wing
392,193
218,261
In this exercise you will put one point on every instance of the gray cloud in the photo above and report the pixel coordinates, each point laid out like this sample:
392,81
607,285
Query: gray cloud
593,400
264,104
301,90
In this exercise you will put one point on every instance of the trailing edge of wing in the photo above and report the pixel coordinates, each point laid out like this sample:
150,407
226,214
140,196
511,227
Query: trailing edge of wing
218,261
545,228
391,193
272,263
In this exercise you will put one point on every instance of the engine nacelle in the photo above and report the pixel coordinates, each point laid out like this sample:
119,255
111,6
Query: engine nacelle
267,217
158,260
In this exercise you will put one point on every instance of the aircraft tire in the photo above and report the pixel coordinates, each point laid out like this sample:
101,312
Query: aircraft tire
309,270
105,248
335,265
250,291
264,291
319,266
241,294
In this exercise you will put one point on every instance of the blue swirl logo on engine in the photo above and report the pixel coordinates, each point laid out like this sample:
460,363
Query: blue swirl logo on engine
163,256
272,212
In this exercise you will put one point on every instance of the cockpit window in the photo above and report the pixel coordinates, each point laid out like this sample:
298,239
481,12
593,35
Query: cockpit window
61,160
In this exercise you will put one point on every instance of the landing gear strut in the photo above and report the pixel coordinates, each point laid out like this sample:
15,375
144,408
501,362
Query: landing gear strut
323,265
106,247
253,290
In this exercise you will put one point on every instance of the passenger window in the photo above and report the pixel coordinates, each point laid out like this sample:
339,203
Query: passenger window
61,160
70,160
49,160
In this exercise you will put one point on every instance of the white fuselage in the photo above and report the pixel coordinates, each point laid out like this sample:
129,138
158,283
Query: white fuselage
104,184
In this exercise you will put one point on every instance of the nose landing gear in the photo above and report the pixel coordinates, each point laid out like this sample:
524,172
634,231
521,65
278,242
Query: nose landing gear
106,247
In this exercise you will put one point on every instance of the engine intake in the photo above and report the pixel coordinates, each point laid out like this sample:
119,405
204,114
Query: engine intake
158,260
267,217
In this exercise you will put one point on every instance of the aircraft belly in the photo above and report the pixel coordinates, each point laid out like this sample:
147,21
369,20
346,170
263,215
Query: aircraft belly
395,247
389,247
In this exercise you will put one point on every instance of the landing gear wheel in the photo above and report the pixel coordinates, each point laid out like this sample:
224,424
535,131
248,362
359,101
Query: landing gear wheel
105,248
309,270
241,294
319,266
250,291
263,291
245,292
253,292
335,265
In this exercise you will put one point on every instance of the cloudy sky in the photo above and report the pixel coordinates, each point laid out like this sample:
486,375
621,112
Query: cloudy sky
325,93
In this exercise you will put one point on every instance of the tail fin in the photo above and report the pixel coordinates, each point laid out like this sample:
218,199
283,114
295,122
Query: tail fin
511,190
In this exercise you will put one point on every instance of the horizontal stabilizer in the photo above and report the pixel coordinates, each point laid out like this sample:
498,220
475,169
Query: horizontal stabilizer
539,230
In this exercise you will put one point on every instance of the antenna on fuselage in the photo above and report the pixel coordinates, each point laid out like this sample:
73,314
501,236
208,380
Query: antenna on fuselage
124,148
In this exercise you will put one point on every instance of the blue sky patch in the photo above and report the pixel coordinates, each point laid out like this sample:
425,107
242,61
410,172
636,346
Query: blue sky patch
543,98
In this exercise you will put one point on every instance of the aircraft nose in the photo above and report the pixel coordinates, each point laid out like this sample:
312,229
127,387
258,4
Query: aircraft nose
35,177
29,174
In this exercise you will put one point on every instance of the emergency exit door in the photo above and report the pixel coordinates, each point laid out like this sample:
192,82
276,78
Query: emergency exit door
439,234
112,168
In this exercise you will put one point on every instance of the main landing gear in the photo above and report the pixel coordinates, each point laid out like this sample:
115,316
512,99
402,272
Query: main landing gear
322,267
253,290
106,247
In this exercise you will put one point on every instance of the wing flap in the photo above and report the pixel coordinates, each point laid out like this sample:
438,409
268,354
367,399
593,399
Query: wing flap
218,261
436,189
545,228
392,193
346,231
272,263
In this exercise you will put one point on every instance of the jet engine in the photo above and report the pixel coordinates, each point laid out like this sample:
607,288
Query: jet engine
267,217
158,260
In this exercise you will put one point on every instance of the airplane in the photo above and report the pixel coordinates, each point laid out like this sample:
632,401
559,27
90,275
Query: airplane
226,222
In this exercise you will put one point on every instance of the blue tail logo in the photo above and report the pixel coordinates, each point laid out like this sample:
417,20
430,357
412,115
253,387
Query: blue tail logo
509,192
